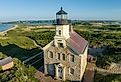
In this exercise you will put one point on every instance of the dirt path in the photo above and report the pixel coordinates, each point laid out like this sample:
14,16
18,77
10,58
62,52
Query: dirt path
39,75
89,73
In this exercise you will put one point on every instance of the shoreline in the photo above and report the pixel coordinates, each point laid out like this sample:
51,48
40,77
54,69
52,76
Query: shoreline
11,28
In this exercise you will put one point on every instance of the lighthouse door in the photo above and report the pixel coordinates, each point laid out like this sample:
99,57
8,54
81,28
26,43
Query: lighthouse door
60,72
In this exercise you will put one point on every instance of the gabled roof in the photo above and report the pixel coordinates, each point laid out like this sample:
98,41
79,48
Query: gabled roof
77,43
5,61
61,12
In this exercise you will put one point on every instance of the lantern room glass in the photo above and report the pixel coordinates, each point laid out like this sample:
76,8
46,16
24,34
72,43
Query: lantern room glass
61,16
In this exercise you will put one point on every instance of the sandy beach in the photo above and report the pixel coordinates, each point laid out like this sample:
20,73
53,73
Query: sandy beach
5,31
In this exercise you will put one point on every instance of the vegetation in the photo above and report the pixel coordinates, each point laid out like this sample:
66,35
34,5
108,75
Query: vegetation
19,73
98,38
43,38
20,44
20,47
107,78
111,55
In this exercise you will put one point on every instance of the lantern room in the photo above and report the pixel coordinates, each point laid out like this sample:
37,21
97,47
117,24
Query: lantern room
61,17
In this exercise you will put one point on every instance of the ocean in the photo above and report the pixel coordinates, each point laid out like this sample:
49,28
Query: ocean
5,26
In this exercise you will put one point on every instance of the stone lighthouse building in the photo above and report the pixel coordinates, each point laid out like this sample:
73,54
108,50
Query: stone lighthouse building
65,58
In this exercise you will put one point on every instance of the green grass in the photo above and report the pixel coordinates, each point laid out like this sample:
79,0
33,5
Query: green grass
19,47
21,41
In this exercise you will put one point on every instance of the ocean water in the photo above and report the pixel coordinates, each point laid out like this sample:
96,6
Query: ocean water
5,26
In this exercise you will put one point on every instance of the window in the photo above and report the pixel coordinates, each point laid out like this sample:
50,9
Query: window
63,16
59,40
72,58
71,71
59,56
59,32
63,56
50,54
60,45
58,16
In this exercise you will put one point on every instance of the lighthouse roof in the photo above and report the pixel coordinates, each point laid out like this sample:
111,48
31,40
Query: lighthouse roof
61,12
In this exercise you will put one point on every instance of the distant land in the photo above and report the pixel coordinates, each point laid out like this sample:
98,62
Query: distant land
7,25
50,22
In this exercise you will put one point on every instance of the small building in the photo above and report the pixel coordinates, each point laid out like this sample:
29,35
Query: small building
6,63
65,58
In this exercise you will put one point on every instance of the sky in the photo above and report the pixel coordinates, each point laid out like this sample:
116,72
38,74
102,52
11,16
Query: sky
11,10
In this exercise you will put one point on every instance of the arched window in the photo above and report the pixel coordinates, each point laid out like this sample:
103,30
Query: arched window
59,32
71,71
50,53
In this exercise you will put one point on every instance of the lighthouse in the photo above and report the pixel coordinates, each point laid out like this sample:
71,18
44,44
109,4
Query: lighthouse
62,29
65,57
